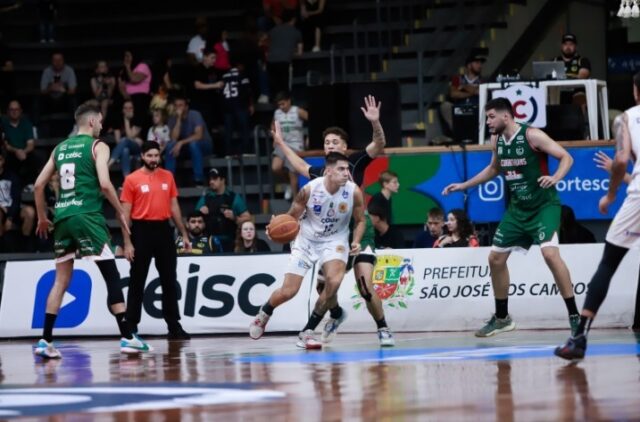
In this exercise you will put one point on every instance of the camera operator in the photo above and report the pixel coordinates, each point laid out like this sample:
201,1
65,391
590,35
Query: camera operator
223,209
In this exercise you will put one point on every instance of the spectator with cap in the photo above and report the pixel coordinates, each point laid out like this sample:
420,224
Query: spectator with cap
575,67
463,88
224,209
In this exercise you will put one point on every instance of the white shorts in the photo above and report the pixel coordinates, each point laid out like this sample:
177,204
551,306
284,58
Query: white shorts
305,253
625,227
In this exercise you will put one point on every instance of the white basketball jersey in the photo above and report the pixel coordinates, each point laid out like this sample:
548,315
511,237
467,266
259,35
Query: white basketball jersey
327,216
633,117
292,127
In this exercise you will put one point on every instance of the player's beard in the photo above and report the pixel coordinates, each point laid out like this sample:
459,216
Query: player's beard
151,165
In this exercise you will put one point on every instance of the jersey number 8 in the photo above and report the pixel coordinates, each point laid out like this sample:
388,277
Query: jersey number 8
68,176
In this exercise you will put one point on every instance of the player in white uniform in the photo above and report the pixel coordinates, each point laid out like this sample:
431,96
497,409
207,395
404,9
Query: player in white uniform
291,119
624,232
325,207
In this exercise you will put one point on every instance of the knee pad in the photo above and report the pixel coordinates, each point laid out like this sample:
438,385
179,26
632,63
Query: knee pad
111,277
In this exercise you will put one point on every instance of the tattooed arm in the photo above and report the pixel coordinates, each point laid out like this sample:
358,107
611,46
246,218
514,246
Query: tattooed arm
371,112
620,161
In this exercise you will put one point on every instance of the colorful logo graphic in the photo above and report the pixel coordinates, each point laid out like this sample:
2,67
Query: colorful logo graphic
75,303
393,282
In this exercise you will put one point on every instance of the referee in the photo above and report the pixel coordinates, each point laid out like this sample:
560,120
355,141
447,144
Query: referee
150,198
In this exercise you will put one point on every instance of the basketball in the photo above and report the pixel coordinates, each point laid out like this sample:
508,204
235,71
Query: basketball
283,228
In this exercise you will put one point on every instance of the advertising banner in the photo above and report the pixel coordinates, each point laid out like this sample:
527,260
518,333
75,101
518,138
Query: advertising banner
421,290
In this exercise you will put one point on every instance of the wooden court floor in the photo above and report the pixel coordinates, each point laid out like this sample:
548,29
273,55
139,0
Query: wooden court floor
427,376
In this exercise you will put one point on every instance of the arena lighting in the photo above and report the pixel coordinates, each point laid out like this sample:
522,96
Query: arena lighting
629,9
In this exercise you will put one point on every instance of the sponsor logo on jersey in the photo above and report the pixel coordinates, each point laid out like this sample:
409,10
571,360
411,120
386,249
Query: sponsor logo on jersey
513,162
343,207
520,150
499,150
340,249
317,209
331,213
329,220
345,194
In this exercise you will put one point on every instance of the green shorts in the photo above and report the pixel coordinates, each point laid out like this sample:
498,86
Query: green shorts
84,234
523,228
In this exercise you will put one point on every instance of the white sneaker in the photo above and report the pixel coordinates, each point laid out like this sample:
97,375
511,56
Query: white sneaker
257,326
46,350
386,338
307,340
263,99
134,345
331,327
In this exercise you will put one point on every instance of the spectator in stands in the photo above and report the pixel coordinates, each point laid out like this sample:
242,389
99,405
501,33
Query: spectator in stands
47,11
463,89
389,185
238,108
102,86
189,137
7,78
285,43
263,76
58,86
575,67
274,11
221,47
433,229
387,236
313,21
291,119
206,89
159,131
128,138
201,243
134,82
223,208
571,231
12,215
247,241
198,42
461,231
21,158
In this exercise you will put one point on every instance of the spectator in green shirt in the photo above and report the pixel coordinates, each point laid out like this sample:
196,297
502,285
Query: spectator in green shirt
20,144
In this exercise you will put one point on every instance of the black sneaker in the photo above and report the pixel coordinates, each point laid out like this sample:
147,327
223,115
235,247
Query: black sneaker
178,333
573,349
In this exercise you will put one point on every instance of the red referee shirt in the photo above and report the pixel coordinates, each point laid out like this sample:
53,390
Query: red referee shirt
149,194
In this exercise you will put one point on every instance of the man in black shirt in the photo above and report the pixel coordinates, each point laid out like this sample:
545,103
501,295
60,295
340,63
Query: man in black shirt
387,236
576,67
205,96
238,107
201,244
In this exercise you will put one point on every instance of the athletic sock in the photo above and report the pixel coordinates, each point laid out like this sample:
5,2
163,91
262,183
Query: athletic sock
313,321
123,326
502,308
381,323
267,308
335,312
570,302
584,326
49,322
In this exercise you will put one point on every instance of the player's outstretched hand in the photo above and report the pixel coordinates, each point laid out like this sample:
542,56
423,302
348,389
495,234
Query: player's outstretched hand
276,132
371,110
355,248
605,201
546,182
454,187
603,161
42,229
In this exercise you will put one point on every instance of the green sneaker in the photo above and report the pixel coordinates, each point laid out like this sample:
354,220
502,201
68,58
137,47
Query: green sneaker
574,321
495,326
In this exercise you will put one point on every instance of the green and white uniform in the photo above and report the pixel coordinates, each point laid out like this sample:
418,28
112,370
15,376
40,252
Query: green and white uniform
79,224
533,214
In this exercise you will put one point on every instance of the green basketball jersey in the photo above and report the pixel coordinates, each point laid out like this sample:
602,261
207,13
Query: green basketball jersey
521,167
79,185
